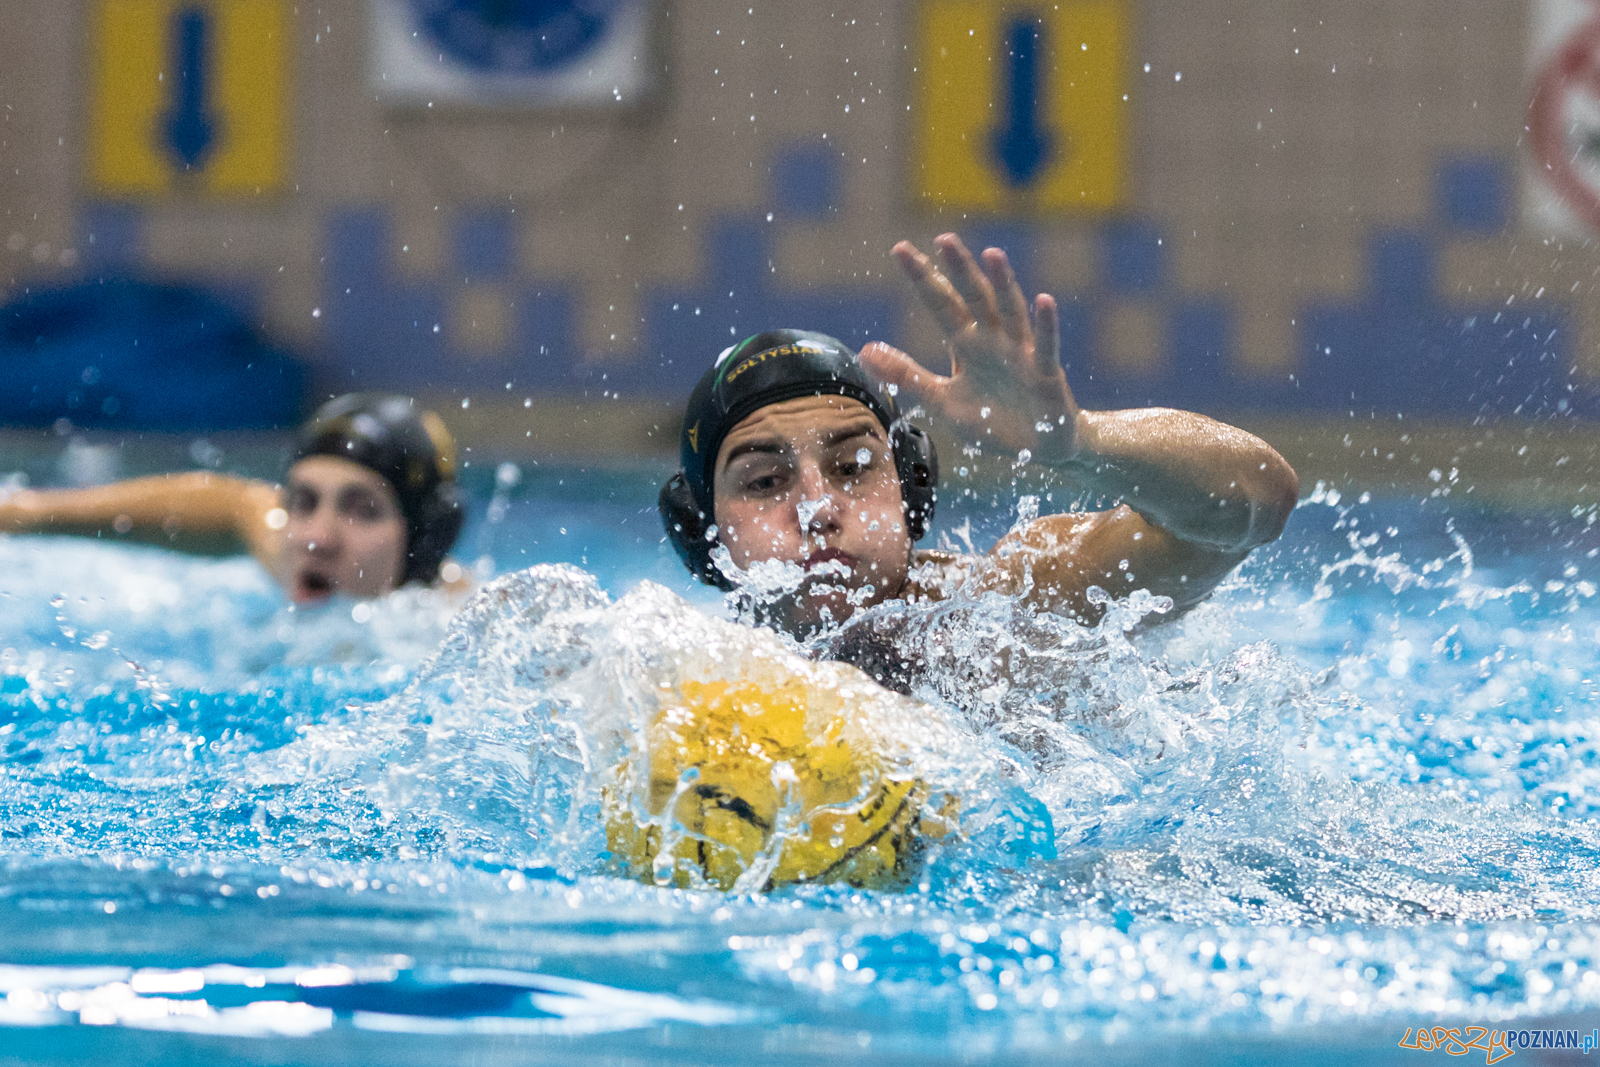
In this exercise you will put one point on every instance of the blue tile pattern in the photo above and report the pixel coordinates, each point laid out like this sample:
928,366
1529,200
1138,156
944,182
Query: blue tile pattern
686,328
110,237
1400,269
805,181
1078,322
1434,361
1133,257
1396,349
1474,193
1402,349
381,332
1019,239
545,354
1398,346
483,244
1200,336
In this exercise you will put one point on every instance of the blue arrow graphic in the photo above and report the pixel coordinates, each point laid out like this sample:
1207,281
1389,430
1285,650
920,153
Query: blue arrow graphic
189,125
1022,146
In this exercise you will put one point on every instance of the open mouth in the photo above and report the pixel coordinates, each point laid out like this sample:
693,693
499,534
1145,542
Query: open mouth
831,560
313,585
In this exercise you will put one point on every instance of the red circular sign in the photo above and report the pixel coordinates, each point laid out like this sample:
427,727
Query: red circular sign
1571,78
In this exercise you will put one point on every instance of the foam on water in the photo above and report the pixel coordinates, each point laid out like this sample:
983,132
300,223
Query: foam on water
135,682
1356,787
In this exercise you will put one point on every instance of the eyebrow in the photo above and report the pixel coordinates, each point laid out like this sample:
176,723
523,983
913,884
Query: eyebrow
865,428
770,446
775,446
351,494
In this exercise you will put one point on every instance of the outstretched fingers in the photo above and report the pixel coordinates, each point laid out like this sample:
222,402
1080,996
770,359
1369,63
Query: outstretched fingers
969,280
933,289
1009,299
1047,335
912,382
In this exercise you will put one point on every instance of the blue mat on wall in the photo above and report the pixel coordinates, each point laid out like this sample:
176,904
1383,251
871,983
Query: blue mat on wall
137,355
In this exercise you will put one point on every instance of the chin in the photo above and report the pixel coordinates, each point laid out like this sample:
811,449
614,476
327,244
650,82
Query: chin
810,610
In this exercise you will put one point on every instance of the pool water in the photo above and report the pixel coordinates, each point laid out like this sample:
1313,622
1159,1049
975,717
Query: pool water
1352,794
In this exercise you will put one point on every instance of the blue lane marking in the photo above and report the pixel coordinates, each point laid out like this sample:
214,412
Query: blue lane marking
1022,146
189,126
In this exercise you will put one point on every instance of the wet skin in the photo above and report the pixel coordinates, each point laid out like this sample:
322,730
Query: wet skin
1196,495
811,481
343,531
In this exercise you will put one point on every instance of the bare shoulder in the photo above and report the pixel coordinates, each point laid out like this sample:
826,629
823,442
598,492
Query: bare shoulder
936,574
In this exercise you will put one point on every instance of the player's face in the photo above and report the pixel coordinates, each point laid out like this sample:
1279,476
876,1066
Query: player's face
812,481
345,532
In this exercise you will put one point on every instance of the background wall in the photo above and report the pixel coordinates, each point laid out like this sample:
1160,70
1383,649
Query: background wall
1317,212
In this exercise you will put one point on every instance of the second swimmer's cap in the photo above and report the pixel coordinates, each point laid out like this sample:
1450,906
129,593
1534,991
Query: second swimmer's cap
768,368
409,449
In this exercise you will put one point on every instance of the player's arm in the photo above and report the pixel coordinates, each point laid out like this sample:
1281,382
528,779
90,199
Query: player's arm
193,510
1196,495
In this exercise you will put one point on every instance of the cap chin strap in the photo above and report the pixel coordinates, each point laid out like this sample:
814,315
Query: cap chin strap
687,528
687,522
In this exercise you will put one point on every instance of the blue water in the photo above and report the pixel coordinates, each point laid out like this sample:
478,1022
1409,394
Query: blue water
1353,793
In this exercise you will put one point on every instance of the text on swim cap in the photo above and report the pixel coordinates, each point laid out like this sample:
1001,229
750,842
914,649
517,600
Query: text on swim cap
771,353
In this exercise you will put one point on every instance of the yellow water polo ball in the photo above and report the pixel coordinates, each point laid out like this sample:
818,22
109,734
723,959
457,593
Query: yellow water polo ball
756,784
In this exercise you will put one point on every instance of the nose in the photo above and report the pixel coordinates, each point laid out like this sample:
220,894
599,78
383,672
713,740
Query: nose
321,532
818,507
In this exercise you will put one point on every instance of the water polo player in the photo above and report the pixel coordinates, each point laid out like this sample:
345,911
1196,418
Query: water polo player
797,452
369,504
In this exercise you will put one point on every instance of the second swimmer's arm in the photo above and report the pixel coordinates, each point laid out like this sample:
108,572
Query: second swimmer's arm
192,510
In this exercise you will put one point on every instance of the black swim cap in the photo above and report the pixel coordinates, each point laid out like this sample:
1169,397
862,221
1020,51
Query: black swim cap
410,450
770,368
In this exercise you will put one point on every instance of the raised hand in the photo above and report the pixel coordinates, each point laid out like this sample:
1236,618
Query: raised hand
1006,385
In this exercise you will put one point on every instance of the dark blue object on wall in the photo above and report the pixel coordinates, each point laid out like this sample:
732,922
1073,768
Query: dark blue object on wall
128,354
515,36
